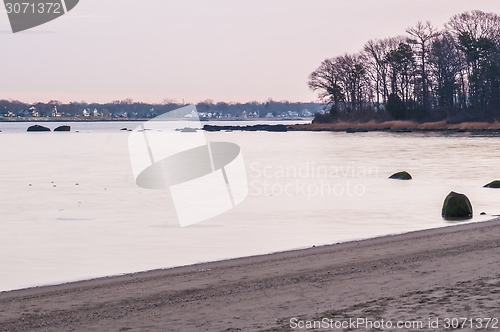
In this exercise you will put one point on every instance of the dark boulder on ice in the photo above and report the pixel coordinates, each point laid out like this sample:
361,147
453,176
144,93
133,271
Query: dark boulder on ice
401,176
38,128
456,206
63,128
493,184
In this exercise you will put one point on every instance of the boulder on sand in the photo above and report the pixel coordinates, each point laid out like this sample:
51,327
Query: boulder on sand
493,184
37,128
456,206
401,176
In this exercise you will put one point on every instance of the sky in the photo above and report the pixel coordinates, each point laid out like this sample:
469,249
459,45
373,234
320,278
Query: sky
193,50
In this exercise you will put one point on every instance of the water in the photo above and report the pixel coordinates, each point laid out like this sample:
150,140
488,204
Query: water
84,217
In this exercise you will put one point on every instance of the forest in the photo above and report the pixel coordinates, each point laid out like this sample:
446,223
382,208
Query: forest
428,74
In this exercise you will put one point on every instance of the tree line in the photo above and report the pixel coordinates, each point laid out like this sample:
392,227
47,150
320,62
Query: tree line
428,74
129,109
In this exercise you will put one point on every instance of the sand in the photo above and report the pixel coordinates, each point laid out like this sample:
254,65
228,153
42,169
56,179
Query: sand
451,272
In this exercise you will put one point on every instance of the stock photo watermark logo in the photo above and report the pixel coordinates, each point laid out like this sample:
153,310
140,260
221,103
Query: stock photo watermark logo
309,179
27,14
205,179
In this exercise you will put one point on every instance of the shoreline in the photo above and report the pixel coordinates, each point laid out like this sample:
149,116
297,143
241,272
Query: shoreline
264,290
398,126
281,125
292,250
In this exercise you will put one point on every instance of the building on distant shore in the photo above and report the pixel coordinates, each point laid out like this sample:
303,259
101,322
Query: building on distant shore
55,113
34,112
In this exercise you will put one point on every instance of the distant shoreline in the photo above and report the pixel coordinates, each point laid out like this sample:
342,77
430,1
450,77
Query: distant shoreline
397,126
47,119
348,127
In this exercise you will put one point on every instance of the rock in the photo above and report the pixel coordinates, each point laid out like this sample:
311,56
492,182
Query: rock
401,176
63,128
258,127
38,128
456,206
125,129
493,184
352,131
277,128
483,213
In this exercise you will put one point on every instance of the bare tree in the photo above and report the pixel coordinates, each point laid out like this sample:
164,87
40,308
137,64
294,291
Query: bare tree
446,68
427,70
422,36
352,73
376,52
326,81
477,36
342,81
477,24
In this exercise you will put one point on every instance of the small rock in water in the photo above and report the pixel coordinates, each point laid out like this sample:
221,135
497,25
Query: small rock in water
63,128
76,184
483,213
54,185
37,128
401,176
492,184
30,184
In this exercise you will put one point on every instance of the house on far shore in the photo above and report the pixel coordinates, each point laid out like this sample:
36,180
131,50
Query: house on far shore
55,113
34,112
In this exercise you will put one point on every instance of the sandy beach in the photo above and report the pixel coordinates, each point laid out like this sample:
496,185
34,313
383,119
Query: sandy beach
424,277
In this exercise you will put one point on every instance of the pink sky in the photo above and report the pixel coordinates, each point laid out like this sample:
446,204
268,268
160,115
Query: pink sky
224,50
